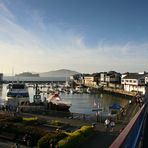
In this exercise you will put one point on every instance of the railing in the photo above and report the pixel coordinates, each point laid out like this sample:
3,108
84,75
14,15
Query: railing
130,136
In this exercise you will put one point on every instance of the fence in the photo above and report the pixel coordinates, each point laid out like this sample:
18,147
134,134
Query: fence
130,136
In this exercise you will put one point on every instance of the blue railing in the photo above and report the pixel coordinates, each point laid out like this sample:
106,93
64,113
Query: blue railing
131,135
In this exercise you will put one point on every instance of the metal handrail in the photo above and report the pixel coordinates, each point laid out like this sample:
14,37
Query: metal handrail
129,137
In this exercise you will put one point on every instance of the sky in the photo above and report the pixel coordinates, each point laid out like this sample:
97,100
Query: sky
82,35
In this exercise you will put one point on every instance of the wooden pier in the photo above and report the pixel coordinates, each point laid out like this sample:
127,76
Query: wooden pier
119,92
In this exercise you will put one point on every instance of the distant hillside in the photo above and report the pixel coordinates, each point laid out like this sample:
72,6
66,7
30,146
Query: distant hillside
27,74
59,73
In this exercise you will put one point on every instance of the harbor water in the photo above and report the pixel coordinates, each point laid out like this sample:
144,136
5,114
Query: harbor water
81,103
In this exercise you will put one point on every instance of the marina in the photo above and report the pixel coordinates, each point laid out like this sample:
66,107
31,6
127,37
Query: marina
72,107
73,74
81,103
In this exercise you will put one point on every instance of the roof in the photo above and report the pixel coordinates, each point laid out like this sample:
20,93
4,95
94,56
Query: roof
134,76
112,72
96,74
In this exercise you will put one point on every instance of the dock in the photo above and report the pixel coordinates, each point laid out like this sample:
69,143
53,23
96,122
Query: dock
119,92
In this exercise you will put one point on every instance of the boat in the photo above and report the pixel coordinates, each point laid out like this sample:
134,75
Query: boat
97,107
57,103
17,94
37,96
115,106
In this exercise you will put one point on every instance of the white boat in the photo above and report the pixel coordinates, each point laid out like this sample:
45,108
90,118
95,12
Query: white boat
17,94
57,103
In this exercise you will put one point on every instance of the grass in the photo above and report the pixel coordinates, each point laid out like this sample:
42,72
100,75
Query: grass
30,118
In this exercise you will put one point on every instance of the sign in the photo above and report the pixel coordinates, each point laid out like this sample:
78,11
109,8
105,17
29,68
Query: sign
97,109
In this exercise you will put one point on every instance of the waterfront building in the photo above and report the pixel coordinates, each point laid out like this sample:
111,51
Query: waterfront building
134,82
113,80
146,80
110,79
92,80
79,79
102,78
113,77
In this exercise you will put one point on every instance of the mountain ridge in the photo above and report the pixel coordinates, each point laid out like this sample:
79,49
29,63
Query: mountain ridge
59,73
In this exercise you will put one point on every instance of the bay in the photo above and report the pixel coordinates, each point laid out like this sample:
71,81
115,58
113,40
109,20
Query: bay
81,103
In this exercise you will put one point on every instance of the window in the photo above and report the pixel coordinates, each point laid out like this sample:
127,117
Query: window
142,81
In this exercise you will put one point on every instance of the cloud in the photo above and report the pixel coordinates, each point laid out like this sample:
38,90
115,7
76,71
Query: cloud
40,45
6,12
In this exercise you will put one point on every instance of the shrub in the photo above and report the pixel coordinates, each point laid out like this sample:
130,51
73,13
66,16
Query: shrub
6,126
33,121
34,132
56,122
60,136
75,138
44,141
48,139
30,118
87,130
14,119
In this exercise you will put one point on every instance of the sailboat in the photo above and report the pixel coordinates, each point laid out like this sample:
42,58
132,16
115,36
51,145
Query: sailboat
97,107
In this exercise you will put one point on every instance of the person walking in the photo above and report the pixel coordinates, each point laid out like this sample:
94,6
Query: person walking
107,122
112,125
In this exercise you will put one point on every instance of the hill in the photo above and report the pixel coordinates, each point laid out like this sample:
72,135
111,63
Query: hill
59,73
27,74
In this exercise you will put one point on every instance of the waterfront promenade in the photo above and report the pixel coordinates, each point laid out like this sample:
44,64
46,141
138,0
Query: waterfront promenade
119,92
102,138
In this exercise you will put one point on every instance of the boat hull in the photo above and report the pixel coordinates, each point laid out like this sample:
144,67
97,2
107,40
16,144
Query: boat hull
14,101
58,107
